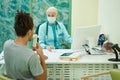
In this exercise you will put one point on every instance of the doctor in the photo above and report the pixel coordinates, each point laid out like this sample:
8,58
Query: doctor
53,34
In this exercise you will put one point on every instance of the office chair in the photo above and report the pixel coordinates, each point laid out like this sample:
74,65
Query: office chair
4,77
114,73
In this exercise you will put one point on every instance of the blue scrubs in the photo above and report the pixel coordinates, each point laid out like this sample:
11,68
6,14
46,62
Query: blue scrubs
56,36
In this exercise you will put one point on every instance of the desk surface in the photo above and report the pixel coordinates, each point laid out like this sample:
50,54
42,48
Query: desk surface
53,58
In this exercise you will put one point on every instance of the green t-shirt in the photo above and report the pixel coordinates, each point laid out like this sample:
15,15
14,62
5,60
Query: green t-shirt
21,62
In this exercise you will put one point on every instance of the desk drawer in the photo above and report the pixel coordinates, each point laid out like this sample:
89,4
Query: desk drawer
75,71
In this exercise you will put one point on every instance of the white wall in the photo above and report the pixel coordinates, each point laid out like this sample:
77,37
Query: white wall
84,12
109,18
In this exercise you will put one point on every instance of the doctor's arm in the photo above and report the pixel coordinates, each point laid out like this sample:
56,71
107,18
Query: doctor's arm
42,39
41,35
67,37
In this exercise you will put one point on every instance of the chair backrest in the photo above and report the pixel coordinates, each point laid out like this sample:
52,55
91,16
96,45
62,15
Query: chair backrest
115,74
37,29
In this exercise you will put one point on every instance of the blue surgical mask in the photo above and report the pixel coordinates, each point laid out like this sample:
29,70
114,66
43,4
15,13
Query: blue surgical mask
51,19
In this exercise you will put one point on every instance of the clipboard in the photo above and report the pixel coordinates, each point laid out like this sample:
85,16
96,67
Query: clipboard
70,56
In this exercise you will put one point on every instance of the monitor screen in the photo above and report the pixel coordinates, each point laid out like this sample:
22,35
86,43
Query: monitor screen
85,35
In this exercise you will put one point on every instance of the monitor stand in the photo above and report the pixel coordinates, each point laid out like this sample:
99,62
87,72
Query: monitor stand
114,59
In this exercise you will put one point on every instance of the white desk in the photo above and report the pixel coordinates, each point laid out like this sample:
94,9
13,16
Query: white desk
73,70
53,58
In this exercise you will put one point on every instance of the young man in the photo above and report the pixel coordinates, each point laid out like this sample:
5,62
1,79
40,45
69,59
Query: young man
21,62
53,34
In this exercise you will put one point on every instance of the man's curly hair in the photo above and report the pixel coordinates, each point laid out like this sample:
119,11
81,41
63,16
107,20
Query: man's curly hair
23,23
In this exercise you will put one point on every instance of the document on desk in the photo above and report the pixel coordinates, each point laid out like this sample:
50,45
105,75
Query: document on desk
73,55
96,51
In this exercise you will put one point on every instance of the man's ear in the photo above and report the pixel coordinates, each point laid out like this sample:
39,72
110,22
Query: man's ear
29,32
56,15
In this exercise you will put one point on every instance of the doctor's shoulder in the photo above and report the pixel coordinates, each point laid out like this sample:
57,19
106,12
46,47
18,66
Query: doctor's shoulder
60,24
43,24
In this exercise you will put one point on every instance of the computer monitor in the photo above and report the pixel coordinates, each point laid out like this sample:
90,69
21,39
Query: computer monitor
85,35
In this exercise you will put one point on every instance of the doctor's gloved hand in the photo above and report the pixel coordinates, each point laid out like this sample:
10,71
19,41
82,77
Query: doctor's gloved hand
50,48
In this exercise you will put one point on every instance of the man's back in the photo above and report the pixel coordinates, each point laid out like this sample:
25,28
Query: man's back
21,61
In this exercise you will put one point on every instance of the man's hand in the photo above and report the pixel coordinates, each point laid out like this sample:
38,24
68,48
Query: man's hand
38,49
